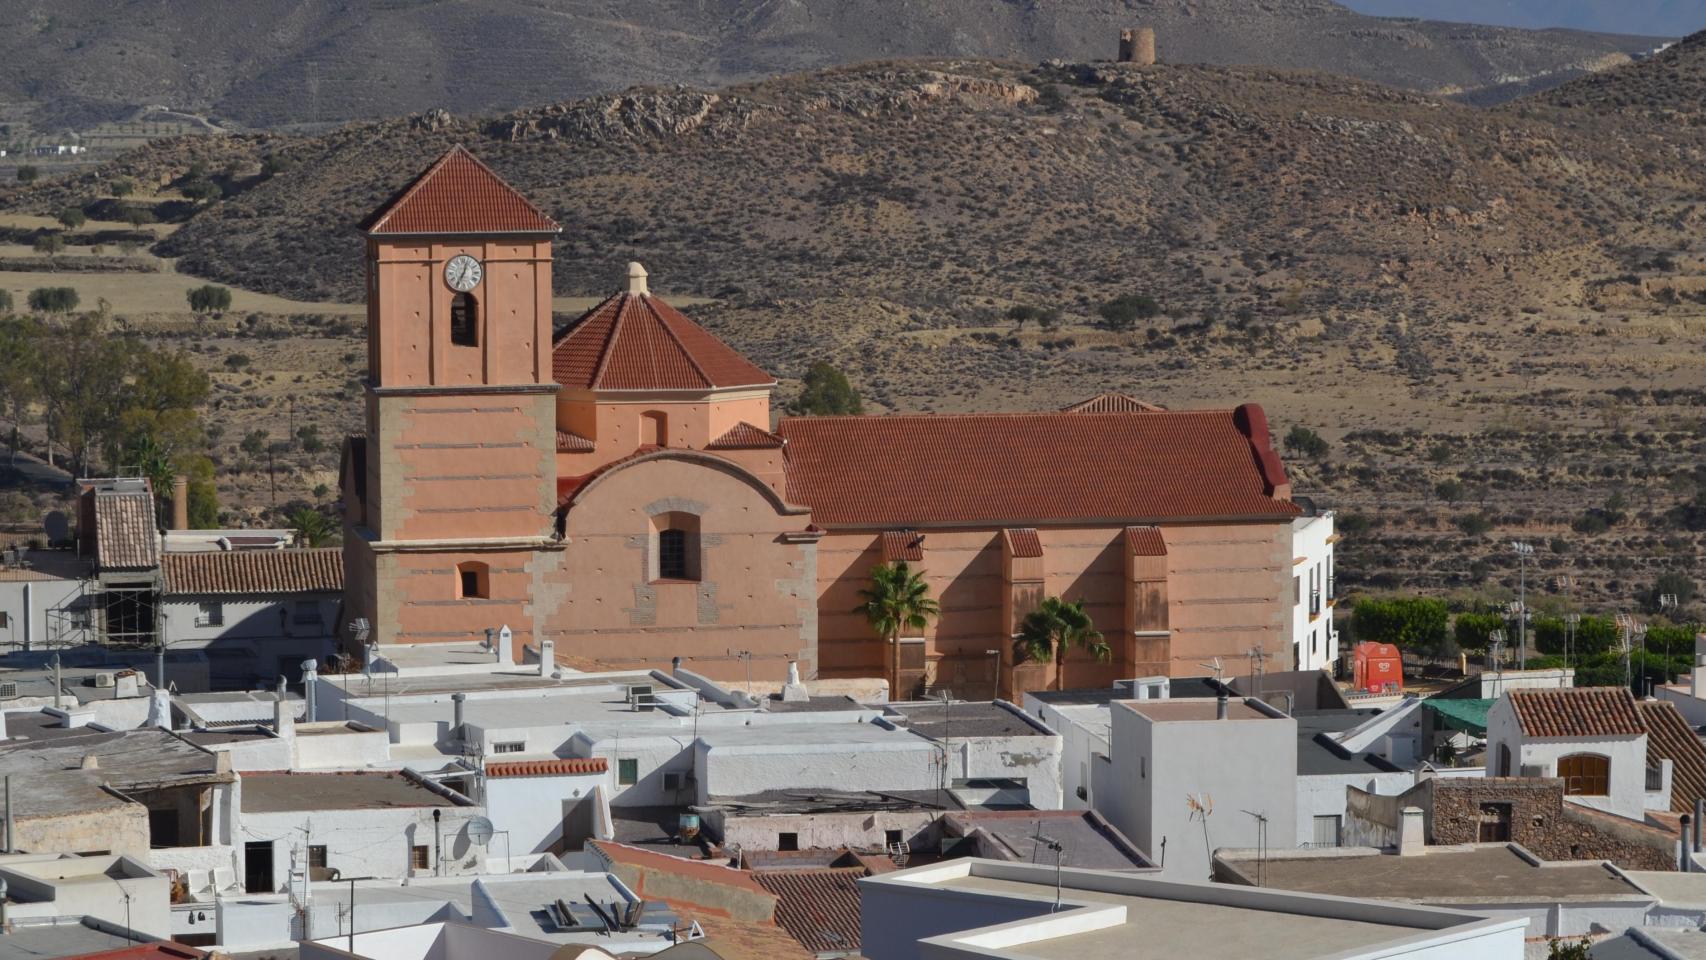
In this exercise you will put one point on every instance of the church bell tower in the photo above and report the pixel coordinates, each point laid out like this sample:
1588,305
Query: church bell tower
449,496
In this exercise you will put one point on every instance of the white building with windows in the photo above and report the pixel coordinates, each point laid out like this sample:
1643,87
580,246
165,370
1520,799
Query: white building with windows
1315,642
1593,738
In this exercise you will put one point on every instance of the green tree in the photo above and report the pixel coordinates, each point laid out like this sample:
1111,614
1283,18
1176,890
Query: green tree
20,340
82,372
312,527
1594,636
1052,629
54,299
1123,312
1305,442
898,599
121,188
71,217
49,244
308,438
254,443
1558,948
1473,524
1411,623
825,392
28,174
200,189
210,298
204,493
1450,491
1472,629
136,214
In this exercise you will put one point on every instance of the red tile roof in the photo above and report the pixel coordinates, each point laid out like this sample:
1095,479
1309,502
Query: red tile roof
1034,467
702,870
745,436
573,443
457,195
125,535
902,545
1112,403
1023,541
818,908
1145,541
573,766
635,341
1669,737
255,571
1577,712
158,950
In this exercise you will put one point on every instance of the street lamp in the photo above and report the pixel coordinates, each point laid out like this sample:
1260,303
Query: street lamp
1523,552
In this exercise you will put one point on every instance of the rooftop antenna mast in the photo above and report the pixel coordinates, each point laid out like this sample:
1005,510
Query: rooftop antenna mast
1258,669
1201,806
1261,847
1496,659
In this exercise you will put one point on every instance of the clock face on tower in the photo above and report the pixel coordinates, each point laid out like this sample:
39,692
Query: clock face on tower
462,273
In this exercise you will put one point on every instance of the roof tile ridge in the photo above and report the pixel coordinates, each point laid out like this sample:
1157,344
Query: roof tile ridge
669,328
609,346
413,188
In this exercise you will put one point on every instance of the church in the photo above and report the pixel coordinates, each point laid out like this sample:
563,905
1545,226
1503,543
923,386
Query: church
623,491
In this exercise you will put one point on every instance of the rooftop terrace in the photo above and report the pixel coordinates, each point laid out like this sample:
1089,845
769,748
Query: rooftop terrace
278,792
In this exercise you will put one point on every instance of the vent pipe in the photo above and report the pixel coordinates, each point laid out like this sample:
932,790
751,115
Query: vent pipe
1220,705
456,700
1684,860
308,677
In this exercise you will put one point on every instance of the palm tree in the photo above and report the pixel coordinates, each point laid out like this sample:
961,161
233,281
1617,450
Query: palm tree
897,599
1051,629
312,527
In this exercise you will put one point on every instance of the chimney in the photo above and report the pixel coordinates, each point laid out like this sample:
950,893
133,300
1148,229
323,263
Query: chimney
90,762
457,700
1220,704
1412,832
308,678
637,279
180,502
1138,46
547,657
1684,859
283,717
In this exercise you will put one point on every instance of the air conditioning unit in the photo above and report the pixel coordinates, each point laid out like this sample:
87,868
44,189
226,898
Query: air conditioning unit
1534,770
641,697
104,680
672,781
8,689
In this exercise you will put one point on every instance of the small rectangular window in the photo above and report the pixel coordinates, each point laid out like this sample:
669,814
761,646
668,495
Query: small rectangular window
418,859
627,772
4,621
787,841
211,614
510,746
672,555
470,583
317,856
306,614
464,320
891,837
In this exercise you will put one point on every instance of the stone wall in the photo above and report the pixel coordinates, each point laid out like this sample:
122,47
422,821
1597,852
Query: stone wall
1541,821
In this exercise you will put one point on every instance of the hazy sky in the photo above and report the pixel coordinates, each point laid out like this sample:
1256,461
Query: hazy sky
1673,18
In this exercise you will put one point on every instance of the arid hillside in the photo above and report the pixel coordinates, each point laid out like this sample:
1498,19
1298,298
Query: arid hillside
1494,319
266,63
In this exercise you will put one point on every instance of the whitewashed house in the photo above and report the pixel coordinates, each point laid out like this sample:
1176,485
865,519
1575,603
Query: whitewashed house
542,805
1592,738
1315,643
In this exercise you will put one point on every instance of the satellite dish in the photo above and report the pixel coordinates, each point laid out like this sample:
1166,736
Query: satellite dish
480,830
57,527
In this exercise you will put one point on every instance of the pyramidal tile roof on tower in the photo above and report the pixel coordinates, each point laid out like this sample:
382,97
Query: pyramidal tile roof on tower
635,341
458,195
745,436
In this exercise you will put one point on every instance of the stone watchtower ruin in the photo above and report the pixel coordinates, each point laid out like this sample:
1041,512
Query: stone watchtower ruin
1138,46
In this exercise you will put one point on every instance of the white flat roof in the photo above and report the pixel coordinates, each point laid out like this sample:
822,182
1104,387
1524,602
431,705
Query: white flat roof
1116,916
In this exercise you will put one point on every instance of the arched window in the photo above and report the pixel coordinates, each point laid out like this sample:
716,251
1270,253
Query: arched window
672,554
1585,774
465,320
654,429
473,581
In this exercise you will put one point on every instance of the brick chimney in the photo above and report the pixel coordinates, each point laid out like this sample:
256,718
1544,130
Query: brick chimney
180,502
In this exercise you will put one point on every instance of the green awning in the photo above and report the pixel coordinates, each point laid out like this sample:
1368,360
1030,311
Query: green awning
1470,716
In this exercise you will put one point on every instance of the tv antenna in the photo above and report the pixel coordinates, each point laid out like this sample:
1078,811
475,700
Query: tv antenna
1201,806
